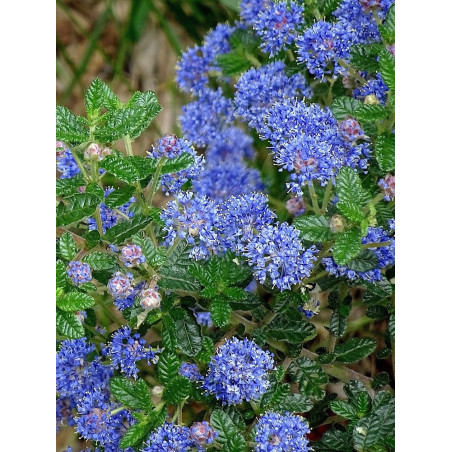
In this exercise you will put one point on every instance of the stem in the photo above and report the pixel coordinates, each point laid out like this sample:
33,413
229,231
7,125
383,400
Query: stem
329,97
331,344
228,335
109,314
353,72
117,410
327,196
155,179
79,163
128,145
98,221
377,245
252,59
315,202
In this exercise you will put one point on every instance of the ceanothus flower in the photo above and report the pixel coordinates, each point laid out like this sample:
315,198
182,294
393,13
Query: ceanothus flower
388,186
250,9
203,318
128,301
310,308
131,255
277,25
64,412
219,180
120,286
376,87
169,438
232,143
108,216
321,47
385,256
242,217
277,253
203,119
190,371
75,373
96,422
258,89
195,219
79,272
238,372
126,349
202,434
281,433
66,163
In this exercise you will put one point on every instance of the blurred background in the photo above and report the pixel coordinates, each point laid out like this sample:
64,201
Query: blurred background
132,45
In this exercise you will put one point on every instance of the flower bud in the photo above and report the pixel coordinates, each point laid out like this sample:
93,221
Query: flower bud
93,152
201,433
351,130
295,206
391,49
388,186
337,223
132,255
150,298
371,99
157,391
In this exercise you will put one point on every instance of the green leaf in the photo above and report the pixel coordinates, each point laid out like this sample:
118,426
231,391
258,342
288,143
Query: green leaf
78,207
338,324
92,238
364,56
377,291
372,112
100,261
366,260
189,339
343,409
220,311
135,435
122,168
70,128
184,161
391,326
351,211
344,106
366,433
275,395
119,196
334,441
126,229
155,257
69,186
75,301
176,390
233,63
347,246
145,166
99,95
355,349
387,30
296,332
229,436
380,380
349,188
67,246
61,275
387,69
69,325
294,403
385,151
309,376
236,293
313,228
168,366
133,394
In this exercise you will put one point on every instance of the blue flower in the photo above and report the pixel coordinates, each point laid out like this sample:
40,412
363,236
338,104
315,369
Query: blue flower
231,143
132,255
257,90
190,371
169,438
128,301
66,163
388,186
281,433
64,412
238,372
202,434
203,318
277,25
79,272
126,349
76,374
277,253
376,87
249,10
295,206
120,286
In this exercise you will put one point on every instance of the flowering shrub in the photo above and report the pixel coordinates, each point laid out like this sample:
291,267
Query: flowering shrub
254,309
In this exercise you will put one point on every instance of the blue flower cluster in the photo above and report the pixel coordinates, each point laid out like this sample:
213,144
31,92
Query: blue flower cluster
126,349
131,255
250,9
79,272
120,286
203,318
202,434
281,433
385,255
169,437
66,163
238,372
190,371
231,144
374,87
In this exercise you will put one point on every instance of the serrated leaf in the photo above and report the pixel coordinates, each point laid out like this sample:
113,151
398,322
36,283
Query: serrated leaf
69,127
355,349
92,238
61,275
364,56
338,324
387,30
235,293
372,112
75,301
313,228
95,189
126,229
391,326
294,403
365,433
135,435
155,257
351,211
120,167
67,246
176,390
144,165
380,380
133,394
100,261
99,95
69,186
349,187
334,441
233,63
119,196
220,311
78,207
385,151
189,339
387,69
347,246
184,161
376,291
366,260
69,325
295,332
343,409
228,435
168,366
344,106
309,376
275,395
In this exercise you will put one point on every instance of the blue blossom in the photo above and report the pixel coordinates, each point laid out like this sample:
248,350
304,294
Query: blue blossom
204,318
120,286
277,25
126,349
169,438
96,422
219,180
385,255
388,186
202,434
243,216
76,374
131,255
66,163
108,216
249,10
259,88
321,47
238,372
203,120
376,87
310,308
231,144
128,301
281,433
64,412
79,272
190,371
278,254
195,219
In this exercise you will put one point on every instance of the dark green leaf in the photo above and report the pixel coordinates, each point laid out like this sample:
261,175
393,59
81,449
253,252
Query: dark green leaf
354,349
69,186
144,165
228,435
119,196
135,435
168,366
176,390
67,246
313,228
294,403
391,326
133,394
69,325
366,433
387,69
233,63
78,207
189,339
122,168
351,211
99,95
70,128
343,409
61,275
220,311
310,377
155,257
338,323
92,238
349,188
347,246
385,151
75,301
387,30
344,106
366,260
334,441
372,112
100,261
126,229
293,331
380,380
275,395
184,161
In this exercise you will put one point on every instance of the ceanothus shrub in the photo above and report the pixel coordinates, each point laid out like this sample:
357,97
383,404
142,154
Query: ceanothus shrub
252,310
